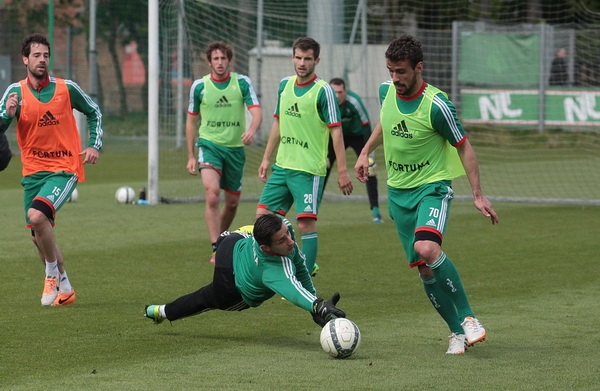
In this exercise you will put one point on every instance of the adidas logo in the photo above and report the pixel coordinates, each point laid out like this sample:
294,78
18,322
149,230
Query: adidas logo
401,130
51,197
431,223
308,209
223,102
293,111
48,119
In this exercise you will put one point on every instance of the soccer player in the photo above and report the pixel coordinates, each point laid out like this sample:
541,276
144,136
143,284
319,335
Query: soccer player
220,98
356,129
253,264
50,152
424,145
306,115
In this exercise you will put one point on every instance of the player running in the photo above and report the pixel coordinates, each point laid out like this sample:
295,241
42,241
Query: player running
51,153
424,145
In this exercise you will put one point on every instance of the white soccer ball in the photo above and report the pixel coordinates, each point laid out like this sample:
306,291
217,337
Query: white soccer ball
372,166
340,338
74,196
125,195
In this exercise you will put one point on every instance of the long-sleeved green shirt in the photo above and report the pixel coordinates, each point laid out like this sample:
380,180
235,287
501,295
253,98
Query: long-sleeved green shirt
259,276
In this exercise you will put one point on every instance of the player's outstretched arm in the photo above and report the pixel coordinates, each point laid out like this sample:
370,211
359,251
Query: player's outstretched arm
325,310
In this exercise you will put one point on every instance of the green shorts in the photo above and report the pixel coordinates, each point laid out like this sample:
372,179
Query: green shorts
227,161
286,187
53,188
425,208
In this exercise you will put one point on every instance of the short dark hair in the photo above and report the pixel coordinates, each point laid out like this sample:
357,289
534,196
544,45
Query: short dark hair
306,43
338,81
219,45
405,48
31,39
265,227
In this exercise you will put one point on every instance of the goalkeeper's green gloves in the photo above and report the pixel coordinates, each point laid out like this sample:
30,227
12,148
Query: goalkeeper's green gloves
325,310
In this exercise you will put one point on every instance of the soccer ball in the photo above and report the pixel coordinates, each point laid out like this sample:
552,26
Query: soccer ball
125,195
372,166
340,338
74,196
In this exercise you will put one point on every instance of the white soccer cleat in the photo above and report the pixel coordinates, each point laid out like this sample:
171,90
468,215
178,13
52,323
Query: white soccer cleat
458,344
50,291
474,331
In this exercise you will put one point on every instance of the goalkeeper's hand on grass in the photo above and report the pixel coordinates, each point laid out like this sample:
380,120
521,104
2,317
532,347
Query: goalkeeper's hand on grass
325,310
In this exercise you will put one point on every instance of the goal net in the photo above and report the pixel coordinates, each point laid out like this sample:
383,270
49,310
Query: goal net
535,142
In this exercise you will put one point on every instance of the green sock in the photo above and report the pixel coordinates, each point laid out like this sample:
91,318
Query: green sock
375,211
449,281
310,245
442,304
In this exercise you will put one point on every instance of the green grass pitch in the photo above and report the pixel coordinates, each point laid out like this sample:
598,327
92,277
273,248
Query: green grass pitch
533,281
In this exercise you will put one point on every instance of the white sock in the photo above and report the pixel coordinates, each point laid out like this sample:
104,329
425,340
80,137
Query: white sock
52,269
64,285
161,311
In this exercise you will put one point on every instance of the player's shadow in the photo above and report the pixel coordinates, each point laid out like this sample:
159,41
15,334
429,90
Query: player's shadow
253,337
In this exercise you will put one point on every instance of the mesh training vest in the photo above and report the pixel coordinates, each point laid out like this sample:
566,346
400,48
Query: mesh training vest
304,137
415,153
222,111
47,133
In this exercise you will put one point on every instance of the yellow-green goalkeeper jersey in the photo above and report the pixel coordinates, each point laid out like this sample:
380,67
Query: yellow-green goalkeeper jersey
305,113
419,135
260,275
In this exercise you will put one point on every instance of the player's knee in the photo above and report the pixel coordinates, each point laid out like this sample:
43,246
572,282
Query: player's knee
212,198
428,245
262,211
232,204
307,224
232,207
39,212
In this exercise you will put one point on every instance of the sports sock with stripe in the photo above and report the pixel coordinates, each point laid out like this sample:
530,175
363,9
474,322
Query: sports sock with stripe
450,282
442,304
64,285
52,269
310,245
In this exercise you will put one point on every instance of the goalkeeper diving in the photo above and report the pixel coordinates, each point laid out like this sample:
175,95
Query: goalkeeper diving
253,264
